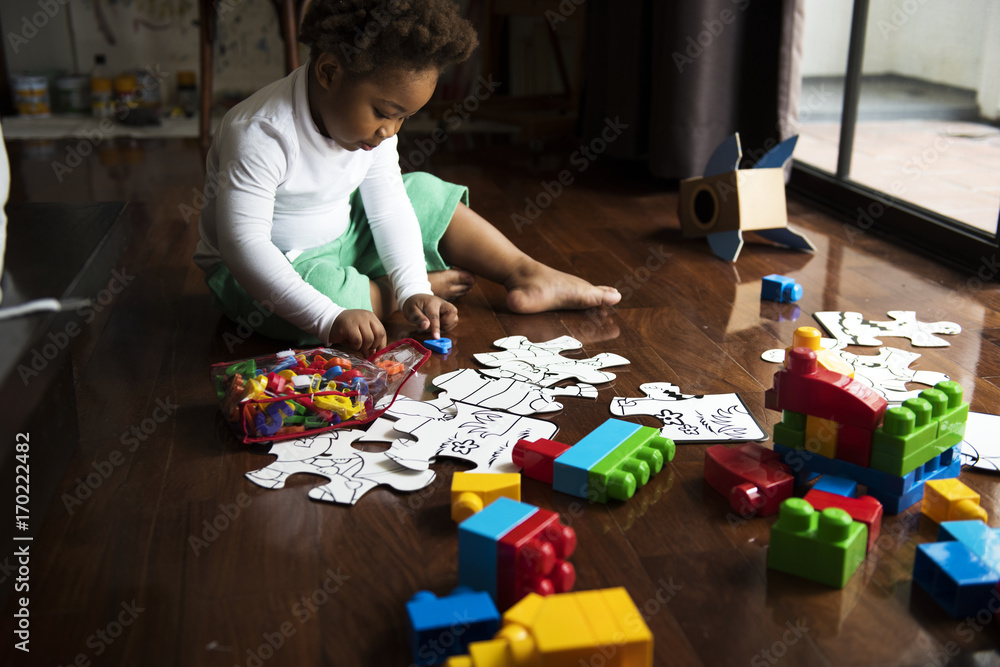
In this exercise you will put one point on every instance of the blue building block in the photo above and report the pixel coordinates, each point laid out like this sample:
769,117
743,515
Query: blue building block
962,570
442,627
780,288
570,471
840,486
439,345
477,542
893,492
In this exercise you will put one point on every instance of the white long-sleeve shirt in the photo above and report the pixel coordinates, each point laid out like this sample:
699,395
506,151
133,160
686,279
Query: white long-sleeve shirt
275,187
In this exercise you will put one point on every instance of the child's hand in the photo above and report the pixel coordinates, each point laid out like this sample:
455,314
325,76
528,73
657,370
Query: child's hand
359,330
430,312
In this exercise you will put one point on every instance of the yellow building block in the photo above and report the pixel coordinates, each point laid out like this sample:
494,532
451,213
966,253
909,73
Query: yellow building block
566,630
950,500
828,359
471,491
821,436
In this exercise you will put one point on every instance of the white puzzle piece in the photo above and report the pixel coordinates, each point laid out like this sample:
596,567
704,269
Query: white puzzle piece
352,473
851,328
541,363
520,398
980,448
477,435
691,418
886,372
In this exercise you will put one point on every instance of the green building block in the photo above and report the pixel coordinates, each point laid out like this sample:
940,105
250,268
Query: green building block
826,547
791,430
939,424
629,465
952,421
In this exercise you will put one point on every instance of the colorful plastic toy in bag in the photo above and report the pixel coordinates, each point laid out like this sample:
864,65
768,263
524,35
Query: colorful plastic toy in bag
297,393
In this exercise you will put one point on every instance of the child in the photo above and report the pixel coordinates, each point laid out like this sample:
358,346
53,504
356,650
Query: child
311,223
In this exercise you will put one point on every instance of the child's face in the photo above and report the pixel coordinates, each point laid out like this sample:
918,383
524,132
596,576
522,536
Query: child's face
362,113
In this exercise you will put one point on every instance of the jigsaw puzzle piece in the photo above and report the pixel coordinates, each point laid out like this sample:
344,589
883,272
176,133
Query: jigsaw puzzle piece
477,435
520,398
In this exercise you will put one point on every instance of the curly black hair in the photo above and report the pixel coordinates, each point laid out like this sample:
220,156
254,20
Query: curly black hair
374,35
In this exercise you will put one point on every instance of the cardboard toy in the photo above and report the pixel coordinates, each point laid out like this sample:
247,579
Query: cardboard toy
726,201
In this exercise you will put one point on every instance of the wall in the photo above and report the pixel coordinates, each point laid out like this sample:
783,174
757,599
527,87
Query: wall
161,35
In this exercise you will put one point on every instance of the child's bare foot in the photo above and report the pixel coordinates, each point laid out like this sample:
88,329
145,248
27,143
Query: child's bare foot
535,288
451,284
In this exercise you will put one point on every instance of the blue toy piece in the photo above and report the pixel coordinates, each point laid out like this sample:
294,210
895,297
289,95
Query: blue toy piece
439,345
570,472
477,542
780,288
779,155
440,627
895,493
726,157
840,486
960,571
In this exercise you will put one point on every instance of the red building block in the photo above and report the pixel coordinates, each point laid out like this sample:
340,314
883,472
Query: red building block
531,558
751,476
854,445
536,458
865,509
805,387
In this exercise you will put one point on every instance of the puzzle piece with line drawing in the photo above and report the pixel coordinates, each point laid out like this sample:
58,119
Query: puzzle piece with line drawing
474,434
351,472
520,398
690,418
541,363
850,328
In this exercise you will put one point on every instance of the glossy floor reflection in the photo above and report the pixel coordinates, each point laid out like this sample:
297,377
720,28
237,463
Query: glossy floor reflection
332,581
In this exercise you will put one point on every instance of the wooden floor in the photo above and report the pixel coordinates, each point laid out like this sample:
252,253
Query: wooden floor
283,580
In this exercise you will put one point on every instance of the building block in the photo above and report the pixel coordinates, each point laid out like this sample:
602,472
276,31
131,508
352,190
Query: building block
477,542
950,500
806,388
751,476
780,288
629,466
567,629
821,436
532,559
825,546
829,359
854,445
439,345
471,492
570,470
440,627
536,458
803,463
865,509
962,569
512,548
842,486
791,430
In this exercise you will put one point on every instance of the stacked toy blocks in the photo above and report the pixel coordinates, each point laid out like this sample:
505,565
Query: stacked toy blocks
751,476
612,461
833,425
950,500
830,491
960,571
445,626
510,549
825,546
472,491
586,628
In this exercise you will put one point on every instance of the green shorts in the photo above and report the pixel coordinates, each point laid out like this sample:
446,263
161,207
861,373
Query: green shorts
341,269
